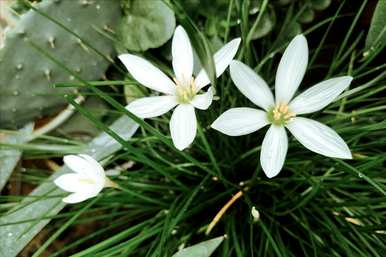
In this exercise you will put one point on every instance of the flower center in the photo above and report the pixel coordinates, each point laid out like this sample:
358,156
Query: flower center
185,91
280,114
86,181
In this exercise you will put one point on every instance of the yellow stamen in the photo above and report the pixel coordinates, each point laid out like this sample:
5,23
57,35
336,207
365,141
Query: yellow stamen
280,114
87,181
185,91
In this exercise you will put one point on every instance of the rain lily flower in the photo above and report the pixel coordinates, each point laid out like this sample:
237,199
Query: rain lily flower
282,111
87,181
183,91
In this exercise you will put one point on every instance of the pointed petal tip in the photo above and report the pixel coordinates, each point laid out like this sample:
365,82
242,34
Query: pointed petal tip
180,147
346,155
179,27
123,56
235,43
72,198
270,173
57,182
67,159
348,78
234,63
343,155
214,125
237,40
65,200
300,37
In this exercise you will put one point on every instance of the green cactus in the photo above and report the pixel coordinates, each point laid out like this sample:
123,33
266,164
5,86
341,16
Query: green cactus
26,77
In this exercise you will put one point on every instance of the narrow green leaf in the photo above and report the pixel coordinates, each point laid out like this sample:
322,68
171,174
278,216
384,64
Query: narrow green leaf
203,249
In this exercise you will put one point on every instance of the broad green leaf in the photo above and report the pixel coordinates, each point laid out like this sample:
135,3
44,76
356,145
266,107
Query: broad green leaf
10,157
266,25
145,24
320,5
203,249
132,92
15,237
377,31
307,15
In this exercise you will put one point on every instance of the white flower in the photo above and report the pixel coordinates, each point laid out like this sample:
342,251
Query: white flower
87,181
182,91
282,112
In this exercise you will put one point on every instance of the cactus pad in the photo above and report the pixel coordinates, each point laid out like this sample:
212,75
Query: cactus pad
26,77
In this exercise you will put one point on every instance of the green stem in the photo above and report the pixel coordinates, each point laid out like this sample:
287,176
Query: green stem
209,150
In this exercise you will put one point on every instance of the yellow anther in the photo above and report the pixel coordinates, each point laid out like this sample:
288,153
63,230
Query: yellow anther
289,115
280,114
185,91
87,181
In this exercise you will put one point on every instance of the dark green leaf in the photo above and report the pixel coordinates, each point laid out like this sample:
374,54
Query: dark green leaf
377,31
146,24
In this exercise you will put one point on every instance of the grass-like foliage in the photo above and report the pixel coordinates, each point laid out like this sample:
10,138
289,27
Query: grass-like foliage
316,206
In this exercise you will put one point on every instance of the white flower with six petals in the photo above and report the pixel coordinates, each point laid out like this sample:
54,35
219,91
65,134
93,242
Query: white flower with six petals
88,180
183,92
282,112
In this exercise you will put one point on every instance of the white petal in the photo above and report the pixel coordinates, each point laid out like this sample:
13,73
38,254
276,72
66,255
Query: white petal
291,69
203,101
320,95
251,85
73,182
240,121
69,182
274,150
221,58
149,107
182,56
147,74
183,126
97,166
77,197
83,164
319,138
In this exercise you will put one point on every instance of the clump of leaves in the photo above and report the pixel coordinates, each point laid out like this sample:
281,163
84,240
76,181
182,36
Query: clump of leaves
317,206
